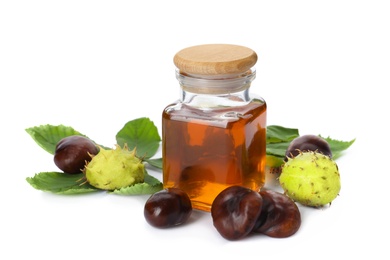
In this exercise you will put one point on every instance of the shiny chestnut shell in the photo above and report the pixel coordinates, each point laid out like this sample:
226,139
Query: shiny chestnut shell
235,210
280,217
73,152
307,143
167,208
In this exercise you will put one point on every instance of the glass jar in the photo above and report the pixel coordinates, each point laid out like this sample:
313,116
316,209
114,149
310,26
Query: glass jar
214,136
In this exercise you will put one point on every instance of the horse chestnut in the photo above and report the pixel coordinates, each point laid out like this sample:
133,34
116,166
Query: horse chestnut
168,207
235,210
307,143
279,217
73,152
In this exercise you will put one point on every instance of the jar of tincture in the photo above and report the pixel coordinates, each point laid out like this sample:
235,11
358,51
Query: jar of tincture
214,135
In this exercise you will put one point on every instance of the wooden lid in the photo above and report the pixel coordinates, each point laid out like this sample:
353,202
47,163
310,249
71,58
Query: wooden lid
215,59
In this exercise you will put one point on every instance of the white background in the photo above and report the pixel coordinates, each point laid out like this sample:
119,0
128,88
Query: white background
323,67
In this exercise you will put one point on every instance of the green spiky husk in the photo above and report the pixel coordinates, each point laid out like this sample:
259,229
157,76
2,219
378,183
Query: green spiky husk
311,179
114,169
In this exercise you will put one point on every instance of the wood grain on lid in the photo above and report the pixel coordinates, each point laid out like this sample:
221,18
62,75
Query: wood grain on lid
215,59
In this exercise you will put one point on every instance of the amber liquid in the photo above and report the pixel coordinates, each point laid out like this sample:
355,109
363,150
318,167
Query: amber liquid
204,153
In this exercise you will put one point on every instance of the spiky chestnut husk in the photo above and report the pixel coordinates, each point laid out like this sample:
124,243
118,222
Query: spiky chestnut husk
311,179
114,169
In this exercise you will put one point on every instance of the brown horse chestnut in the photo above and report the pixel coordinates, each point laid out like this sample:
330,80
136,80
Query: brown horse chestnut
168,207
73,152
280,217
235,210
307,143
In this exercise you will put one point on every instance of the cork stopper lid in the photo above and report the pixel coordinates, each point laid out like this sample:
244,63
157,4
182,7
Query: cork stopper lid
215,59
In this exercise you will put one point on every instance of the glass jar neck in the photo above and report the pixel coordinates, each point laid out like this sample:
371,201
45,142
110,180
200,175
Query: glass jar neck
212,91
215,84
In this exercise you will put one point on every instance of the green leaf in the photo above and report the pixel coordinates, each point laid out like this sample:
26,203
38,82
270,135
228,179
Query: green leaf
155,162
337,146
277,134
60,183
47,136
277,149
141,134
277,142
149,186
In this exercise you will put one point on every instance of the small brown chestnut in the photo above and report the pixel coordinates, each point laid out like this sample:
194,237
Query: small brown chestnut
73,152
235,210
307,143
168,207
280,217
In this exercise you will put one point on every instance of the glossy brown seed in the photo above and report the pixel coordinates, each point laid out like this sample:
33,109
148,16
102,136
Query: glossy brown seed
280,217
168,207
306,143
73,152
235,211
